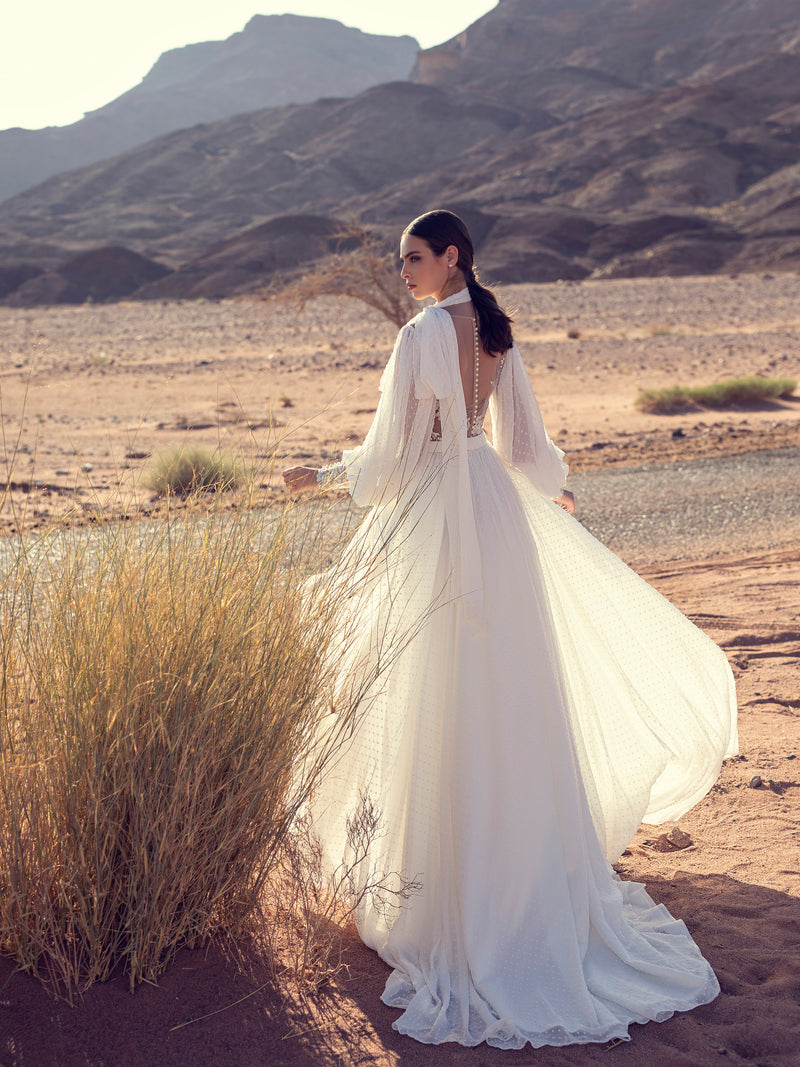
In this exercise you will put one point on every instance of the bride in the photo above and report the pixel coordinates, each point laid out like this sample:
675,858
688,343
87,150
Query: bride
549,701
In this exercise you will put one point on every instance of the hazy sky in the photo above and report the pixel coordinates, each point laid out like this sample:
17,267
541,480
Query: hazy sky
59,58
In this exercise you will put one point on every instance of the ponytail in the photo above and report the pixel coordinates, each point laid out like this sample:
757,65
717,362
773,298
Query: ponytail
494,324
440,229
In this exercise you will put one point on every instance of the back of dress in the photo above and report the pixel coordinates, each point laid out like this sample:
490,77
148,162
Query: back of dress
480,370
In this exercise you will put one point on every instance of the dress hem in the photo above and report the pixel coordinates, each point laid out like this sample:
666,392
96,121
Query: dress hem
520,1039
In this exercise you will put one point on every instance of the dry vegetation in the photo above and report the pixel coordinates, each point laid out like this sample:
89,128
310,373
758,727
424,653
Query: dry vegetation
188,469
304,909
734,392
362,268
163,690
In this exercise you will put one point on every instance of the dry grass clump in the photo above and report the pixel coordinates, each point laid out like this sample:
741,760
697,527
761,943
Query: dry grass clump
186,469
363,268
733,392
161,698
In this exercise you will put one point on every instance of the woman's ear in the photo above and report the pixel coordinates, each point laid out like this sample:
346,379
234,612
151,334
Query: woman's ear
451,256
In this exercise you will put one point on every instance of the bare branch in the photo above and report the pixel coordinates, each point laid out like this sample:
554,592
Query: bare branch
362,267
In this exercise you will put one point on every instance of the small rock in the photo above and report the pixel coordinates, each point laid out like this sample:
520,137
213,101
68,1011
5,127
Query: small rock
776,787
792,756
677,432
679,838
86,467
755,781
671,842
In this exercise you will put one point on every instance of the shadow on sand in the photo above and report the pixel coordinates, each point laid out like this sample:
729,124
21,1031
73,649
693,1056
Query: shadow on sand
750,934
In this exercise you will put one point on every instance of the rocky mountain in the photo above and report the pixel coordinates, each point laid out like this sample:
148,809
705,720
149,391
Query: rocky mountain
98,275
578,138
572,56
178,194
276,59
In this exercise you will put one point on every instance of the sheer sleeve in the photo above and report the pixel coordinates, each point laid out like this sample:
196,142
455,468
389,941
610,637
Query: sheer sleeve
397,462
327,476
380,468
518,430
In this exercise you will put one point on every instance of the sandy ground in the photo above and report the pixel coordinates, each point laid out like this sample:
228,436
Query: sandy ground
91,394
111,386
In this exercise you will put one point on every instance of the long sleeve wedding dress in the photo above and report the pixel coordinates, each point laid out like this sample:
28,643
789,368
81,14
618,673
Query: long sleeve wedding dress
545,701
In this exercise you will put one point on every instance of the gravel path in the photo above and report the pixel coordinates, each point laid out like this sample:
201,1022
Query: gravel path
660,512
694,509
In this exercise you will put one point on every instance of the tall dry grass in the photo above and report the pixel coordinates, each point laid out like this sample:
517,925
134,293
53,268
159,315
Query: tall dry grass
162,701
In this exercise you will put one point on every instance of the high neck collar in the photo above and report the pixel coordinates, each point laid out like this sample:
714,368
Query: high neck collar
455,298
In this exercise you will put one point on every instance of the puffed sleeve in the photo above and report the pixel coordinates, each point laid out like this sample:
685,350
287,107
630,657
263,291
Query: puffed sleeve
518,431
392,451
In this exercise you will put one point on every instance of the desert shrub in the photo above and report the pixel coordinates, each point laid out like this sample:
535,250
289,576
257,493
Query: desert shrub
664,401
742,391
731,393
187,469
364,268
161,698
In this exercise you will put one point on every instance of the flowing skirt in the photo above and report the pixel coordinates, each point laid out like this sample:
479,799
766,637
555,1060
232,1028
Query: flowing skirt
511,761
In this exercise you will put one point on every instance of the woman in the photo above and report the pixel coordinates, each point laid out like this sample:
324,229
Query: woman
548,701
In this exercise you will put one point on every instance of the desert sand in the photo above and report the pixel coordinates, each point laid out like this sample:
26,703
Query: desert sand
90,393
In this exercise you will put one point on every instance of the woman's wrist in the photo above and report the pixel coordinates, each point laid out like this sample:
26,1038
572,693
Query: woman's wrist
327,475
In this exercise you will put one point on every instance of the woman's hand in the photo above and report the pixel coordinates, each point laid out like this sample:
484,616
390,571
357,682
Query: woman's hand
300,479
566,501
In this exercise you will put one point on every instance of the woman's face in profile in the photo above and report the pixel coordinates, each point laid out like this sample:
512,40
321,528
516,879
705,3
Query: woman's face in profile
424,273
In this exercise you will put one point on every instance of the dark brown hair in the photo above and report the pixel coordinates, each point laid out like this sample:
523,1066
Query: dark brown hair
440,229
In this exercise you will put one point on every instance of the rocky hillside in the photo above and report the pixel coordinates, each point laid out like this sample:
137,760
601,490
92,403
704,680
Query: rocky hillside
276,59
176,195
604,138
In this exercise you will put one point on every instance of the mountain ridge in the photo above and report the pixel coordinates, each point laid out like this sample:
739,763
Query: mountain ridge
275,60
567,169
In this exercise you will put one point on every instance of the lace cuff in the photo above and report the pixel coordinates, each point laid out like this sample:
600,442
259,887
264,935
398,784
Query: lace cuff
328,475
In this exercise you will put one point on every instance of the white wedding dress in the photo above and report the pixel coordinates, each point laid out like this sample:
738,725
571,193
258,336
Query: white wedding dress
544,701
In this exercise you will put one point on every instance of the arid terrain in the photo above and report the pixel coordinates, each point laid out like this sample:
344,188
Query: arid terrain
584,138
91,393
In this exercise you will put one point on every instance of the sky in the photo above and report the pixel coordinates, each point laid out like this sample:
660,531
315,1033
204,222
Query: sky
60,58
